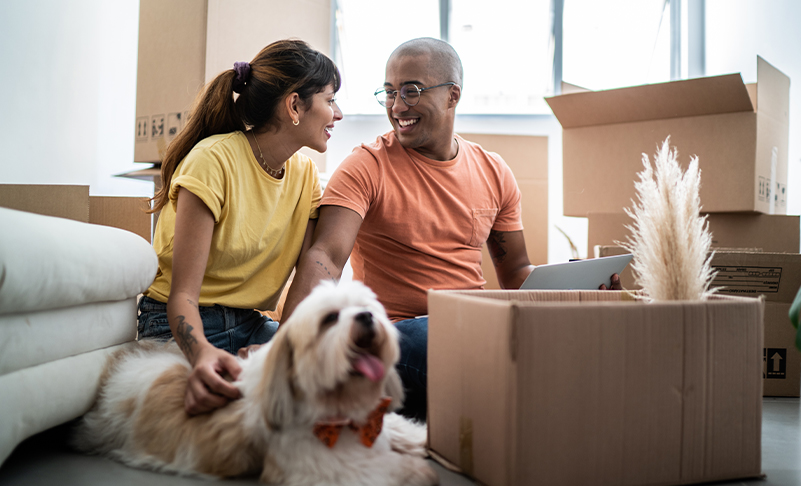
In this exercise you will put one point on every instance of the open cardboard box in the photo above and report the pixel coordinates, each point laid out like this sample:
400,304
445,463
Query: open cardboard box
593,387
739,132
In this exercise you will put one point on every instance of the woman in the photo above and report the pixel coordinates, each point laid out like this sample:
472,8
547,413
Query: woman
238,208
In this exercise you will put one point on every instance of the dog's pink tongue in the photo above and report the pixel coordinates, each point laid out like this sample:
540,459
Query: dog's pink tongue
369,366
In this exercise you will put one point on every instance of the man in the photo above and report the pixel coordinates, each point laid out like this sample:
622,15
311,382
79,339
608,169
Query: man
413,208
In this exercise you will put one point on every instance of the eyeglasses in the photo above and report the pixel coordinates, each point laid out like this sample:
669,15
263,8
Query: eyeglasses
409,93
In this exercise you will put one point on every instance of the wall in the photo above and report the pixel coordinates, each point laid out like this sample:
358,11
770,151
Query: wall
68,84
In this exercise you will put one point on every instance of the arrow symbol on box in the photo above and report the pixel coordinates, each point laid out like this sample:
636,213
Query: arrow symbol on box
777,358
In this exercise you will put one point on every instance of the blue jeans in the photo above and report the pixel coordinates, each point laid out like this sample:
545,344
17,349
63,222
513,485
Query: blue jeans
225,327
413,365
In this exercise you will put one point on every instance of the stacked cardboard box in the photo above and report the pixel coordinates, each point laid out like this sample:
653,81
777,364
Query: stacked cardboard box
527,156
739,132
184,44
591,387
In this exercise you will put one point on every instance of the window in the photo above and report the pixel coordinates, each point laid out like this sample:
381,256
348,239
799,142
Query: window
615,44
506,52
504,48
367,32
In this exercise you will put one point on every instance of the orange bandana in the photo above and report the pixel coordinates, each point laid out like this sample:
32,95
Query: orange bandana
328,431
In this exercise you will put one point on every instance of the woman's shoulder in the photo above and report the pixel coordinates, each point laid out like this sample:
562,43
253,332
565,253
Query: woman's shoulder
224,141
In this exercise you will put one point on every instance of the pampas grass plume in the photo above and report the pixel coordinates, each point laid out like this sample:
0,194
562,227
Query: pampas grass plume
669,238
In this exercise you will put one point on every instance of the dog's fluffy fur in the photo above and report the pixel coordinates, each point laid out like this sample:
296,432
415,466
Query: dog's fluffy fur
313,369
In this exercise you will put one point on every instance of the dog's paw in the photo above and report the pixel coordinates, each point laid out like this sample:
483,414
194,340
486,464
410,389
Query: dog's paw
405,436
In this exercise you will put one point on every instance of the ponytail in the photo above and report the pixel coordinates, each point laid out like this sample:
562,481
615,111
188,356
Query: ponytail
214,112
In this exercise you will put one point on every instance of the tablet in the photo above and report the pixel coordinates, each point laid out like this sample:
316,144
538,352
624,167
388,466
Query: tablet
576,275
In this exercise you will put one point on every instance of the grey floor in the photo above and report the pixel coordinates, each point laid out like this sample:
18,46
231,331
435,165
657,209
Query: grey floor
45,460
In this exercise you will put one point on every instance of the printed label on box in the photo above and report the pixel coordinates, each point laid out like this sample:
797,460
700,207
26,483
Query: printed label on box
748,280
174,124
774,363
156,126
141,128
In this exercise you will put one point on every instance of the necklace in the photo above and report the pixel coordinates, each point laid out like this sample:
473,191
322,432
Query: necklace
276,173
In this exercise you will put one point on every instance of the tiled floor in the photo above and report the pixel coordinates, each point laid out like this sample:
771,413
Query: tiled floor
44,460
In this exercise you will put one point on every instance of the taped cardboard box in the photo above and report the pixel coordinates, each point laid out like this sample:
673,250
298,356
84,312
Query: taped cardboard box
765,232
74,202
184,44
527,156
590,387
739,132
776,277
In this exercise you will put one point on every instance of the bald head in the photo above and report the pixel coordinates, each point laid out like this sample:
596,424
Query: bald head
443,60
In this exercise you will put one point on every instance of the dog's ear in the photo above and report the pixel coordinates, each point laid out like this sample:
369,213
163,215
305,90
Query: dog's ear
278,405
393,388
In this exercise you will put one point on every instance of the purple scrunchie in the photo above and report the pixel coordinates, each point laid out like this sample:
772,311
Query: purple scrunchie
242,70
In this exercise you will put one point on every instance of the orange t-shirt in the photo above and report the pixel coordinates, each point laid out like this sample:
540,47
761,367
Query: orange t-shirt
424,220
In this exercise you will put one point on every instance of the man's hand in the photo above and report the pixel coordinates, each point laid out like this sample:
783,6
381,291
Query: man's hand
615,283
209,384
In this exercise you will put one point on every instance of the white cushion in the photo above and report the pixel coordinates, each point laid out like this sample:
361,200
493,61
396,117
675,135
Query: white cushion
50,263
33,338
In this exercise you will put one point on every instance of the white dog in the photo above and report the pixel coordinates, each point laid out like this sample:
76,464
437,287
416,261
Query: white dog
310,413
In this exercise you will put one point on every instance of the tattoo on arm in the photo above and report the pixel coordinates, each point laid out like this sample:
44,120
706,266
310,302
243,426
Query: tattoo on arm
326,271
185,338
192,303
496,245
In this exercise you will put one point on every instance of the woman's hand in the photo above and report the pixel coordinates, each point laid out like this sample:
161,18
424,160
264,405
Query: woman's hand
209,386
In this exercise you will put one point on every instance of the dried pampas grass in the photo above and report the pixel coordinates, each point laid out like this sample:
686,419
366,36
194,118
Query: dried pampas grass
670,240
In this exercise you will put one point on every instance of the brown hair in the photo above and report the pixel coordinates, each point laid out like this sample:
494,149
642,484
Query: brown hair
281,68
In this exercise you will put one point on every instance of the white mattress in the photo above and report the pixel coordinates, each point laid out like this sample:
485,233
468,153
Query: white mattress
33,338
38,398
52,263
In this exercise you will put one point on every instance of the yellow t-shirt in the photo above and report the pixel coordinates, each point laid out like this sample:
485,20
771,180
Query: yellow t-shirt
259,222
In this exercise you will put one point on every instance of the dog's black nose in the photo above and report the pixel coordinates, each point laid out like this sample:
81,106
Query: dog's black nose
364,331
364,318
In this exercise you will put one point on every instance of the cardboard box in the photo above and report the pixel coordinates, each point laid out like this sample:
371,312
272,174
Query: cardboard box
184,44
589,387
128,213
527,156
739,132
774,276
74,202
61,201
763,232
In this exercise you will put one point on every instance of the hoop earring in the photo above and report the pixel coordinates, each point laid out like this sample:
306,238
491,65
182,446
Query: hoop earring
296,122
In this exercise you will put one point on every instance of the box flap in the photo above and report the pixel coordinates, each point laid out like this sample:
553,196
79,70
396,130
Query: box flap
773,92
692,97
